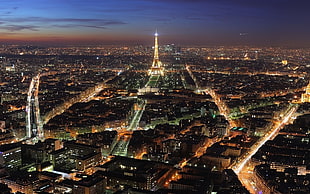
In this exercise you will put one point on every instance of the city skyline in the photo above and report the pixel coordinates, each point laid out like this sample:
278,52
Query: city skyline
99,119
263,23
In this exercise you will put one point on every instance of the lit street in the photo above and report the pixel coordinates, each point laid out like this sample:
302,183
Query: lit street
240,166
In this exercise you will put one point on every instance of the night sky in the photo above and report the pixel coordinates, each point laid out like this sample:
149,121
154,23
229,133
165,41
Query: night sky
187,22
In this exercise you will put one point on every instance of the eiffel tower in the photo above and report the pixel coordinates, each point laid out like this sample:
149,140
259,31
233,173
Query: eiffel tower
156,68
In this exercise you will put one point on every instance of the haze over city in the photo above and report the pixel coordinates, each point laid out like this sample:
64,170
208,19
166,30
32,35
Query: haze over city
187,22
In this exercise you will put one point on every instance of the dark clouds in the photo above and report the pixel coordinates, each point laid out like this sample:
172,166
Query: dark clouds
6,23
13,28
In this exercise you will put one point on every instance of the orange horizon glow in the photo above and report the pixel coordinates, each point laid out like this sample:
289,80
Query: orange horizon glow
68,38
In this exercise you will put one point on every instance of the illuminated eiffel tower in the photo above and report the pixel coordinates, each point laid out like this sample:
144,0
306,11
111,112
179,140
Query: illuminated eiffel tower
156,68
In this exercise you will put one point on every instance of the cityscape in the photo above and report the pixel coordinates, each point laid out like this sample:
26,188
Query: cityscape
153,116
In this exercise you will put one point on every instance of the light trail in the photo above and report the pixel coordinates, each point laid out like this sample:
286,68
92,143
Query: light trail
192,76
85,96
28,109
223,108
137,117
39,132
121,143
239,166
33,115
33,111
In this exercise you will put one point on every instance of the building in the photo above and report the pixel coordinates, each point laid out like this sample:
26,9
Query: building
53,144
273,181
23,187
192,180
102,139
128,172
235,131
75,156
11,156
6,136
4,189
39,152
22,182
306,96
89,185
90,160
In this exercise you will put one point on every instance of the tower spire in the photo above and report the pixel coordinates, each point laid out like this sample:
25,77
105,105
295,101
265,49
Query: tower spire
156,68
156,47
